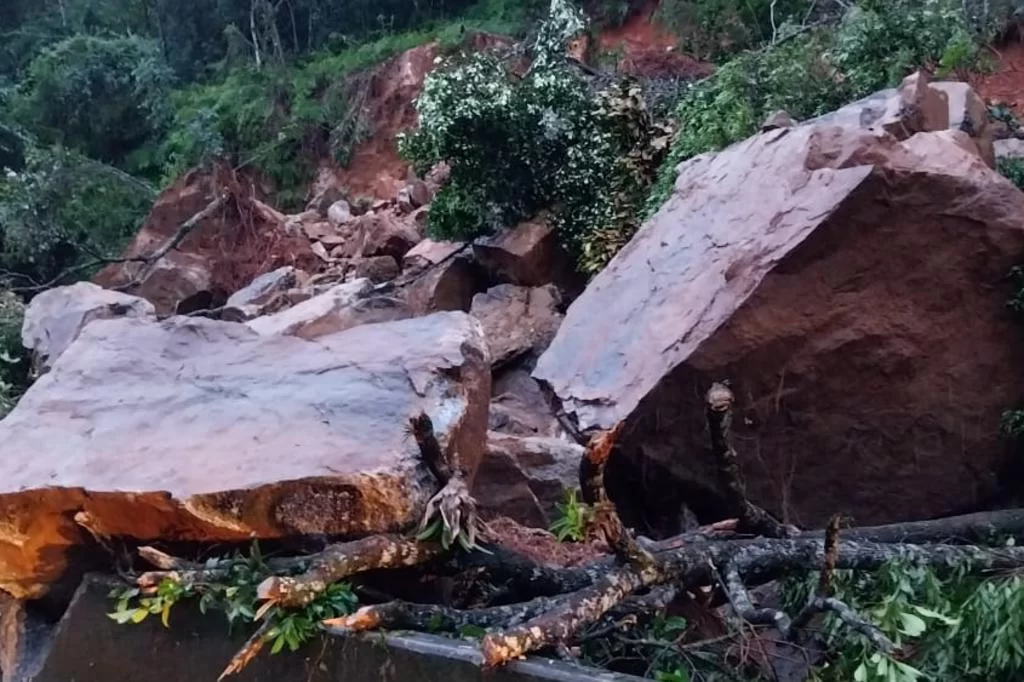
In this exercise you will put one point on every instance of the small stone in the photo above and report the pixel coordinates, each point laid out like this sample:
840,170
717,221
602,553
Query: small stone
339,214
318,231
321,252
377,269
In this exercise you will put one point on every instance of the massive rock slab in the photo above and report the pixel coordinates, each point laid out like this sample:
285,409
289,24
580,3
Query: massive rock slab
195,429
851,286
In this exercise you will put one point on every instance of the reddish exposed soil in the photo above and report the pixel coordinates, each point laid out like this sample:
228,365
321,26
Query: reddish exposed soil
1006,83
233,245
389,91
649,50
388,94
541,546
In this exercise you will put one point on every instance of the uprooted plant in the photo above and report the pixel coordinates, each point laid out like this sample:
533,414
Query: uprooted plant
522,144
530,607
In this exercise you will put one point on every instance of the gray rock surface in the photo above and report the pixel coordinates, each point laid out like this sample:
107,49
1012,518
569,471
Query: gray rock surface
851,286
193,429
56,317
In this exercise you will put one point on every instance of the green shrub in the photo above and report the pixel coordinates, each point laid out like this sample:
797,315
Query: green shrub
573,518
877,43
1013,169
519,146
63,211
955,626
13,361
282,119
711,28
104,97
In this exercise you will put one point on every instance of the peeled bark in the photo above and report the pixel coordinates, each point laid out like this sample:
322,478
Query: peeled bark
340,561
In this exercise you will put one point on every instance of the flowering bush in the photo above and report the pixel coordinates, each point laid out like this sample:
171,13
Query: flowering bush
541,142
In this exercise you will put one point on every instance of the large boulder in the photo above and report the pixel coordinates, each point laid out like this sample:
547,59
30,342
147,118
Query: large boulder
851,286
524,479
920,105
266,286
517,320
56,317
447,285
528,254
519,406
198,430
380,234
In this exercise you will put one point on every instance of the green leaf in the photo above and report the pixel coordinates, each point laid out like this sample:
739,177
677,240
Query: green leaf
472,632
139,615
278,645
912,673
121,617
861,673
913,626
928,613
430,531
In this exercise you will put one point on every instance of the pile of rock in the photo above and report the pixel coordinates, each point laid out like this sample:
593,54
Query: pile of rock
844,273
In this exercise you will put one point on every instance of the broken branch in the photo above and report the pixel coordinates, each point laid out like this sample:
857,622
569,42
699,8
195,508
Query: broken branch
422,430
752,519
341,560
402,615
605,521
567,619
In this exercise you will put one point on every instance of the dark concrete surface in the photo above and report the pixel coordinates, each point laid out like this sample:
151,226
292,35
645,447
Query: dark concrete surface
90,647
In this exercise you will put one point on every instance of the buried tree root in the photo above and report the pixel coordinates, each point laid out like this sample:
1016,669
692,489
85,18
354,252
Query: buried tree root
554,608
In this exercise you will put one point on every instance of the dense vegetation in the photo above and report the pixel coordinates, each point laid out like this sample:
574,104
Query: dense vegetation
541,142
811,72
102,102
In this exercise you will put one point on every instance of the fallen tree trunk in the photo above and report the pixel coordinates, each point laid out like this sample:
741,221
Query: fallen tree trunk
554,606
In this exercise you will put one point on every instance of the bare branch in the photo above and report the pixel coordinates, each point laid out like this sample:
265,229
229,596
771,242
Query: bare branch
566,620
175,239
401,615
340,561
605,521
421,428
744,607
753,519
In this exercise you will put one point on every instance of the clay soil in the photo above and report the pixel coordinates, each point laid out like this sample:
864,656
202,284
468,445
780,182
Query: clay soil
541,546
1005,84
650,51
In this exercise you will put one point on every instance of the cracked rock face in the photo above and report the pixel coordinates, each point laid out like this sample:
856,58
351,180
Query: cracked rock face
194,429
